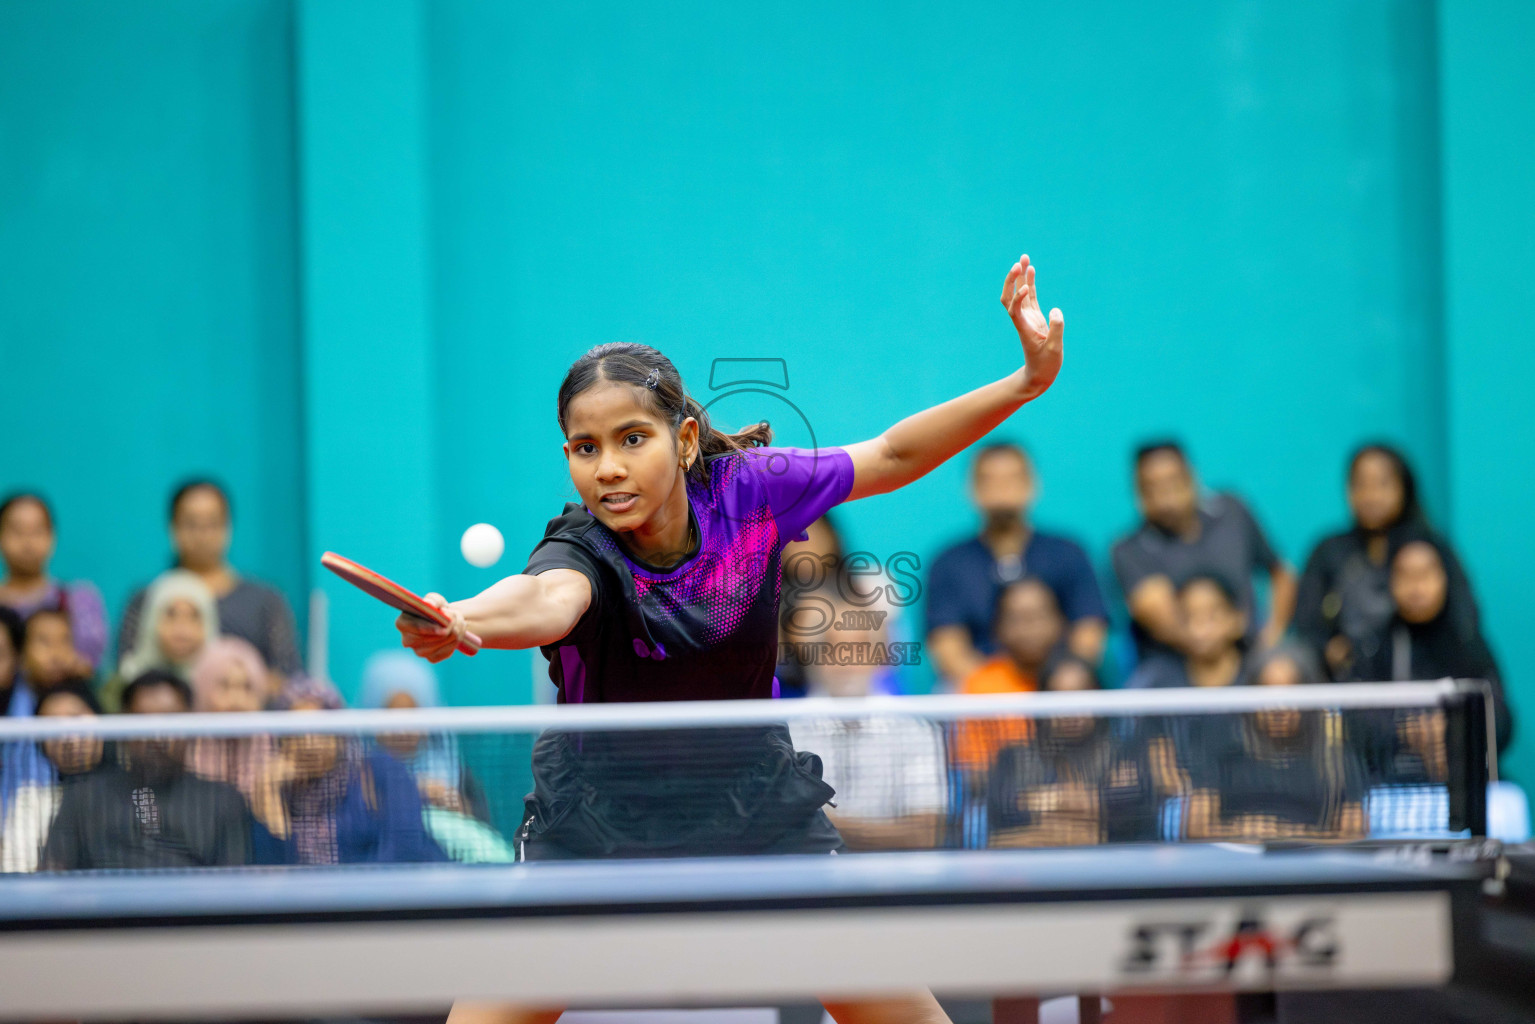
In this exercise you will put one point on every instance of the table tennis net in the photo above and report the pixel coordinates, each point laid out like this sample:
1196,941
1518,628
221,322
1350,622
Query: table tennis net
503,784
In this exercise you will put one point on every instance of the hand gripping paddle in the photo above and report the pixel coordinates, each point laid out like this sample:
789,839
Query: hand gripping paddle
394,595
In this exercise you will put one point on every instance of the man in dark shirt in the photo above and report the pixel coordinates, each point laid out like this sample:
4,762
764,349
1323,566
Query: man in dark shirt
1182,537
145,810
966,579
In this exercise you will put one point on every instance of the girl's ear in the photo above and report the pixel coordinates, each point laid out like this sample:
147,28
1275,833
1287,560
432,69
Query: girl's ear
687,442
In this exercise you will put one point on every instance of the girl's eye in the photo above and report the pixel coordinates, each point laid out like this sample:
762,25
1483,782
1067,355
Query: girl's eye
585,448
632,437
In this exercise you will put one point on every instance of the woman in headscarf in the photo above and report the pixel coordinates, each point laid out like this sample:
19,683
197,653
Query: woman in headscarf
180,619
341,803
201,523
455,809
1429,635
230,676
1343,603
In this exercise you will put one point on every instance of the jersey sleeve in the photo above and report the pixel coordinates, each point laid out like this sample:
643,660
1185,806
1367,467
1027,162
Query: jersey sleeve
801,484
557,553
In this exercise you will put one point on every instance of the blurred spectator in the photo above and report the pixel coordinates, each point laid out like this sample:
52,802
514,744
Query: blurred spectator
179,621
398,680
1427,637
228,676
12,630
26,545
342,804
1344,603
28,812
201,520
818,563
1286,664
48,658
1181,537
1028,628
1076,782
1284,774
147,810
889,771
967,577
1213,628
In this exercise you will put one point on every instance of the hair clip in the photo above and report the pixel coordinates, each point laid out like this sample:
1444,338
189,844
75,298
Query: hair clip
652,379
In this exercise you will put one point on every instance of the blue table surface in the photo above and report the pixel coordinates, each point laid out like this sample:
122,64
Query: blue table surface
1131,870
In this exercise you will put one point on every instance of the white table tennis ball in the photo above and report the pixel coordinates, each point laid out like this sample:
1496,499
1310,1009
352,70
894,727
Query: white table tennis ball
482,545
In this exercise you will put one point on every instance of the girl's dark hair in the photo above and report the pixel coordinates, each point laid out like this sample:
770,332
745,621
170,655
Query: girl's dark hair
624,362
1412,510
183,490
1220,583
1061,658
74,688
1019,584
21,498
153,678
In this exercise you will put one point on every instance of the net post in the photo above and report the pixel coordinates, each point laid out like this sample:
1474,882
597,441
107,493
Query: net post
1467,723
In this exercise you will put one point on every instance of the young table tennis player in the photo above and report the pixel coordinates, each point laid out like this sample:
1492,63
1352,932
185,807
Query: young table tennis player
663,584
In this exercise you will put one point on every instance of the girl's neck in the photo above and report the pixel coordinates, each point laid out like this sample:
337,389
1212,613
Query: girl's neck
666,544
1221,670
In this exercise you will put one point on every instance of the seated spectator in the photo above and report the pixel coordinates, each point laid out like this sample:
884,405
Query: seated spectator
966,578
228,676
1427,636
1288,664
815,563
1344,603
1180,538
341,803
1078,782
28,812
11,631
48,658
889,771
1279,773
1213,630
147,810
200,529
179,621
1028,628
26,546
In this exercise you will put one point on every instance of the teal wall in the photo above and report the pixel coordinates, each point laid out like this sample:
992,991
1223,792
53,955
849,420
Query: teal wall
424,212
1489,167
148,276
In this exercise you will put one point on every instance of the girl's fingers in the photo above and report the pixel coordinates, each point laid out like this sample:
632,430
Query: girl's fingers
1010,285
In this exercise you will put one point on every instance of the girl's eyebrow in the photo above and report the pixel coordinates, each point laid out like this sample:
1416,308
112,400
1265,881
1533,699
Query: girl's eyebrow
620,429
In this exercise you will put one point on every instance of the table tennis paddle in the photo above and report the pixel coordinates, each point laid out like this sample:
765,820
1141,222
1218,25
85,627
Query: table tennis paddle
394,595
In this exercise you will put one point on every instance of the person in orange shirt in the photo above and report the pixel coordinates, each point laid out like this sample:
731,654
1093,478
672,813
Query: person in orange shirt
1029,627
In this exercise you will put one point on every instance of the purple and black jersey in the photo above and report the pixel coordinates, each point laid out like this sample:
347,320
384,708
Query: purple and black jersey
706,629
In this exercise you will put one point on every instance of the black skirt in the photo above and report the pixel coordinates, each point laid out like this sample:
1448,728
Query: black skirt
674,793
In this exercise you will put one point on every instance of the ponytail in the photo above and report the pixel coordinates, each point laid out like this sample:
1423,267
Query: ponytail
661,388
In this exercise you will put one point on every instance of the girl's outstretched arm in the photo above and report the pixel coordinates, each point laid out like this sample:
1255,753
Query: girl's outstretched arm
922,442
520,611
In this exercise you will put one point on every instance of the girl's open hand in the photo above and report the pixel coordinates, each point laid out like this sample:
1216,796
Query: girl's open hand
1041,337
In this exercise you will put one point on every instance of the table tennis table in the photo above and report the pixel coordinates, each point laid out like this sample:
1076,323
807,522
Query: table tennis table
719,931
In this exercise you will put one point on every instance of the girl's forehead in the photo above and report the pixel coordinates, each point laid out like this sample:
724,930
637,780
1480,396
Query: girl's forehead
604,408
